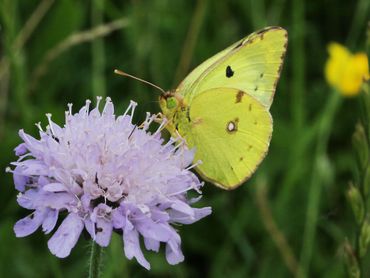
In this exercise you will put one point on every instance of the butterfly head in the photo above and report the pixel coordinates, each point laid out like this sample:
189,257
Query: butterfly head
170,103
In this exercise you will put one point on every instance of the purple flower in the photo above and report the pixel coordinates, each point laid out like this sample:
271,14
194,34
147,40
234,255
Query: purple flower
106,175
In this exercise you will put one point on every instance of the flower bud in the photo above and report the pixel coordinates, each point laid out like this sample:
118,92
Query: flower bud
364,239
357,203
351,261
360,144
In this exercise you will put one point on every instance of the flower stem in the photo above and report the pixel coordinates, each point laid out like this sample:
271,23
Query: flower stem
95,260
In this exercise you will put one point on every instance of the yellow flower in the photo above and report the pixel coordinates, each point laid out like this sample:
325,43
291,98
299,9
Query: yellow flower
346,71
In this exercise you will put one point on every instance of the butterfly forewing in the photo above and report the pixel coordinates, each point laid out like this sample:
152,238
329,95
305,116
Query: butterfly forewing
189,81
252,65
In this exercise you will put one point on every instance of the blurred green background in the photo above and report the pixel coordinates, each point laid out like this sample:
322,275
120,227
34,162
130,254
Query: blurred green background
290,219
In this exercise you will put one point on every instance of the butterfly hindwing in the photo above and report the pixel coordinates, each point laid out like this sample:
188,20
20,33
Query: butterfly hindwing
231,144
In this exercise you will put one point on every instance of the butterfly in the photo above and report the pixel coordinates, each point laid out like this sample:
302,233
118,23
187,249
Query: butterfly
222,107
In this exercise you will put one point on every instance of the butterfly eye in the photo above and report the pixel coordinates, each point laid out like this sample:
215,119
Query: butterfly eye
171,103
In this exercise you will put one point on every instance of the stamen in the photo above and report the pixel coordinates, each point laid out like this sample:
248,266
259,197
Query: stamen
190,187
132,103
199,162
108,103
197,187
87,106
177,146
50,126
128,108
147,116
195,200
161,126
179,192
98,100
70,108
148,120
170,142
39,126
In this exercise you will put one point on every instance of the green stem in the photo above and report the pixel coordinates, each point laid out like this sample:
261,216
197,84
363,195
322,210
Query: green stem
98,52
317,181
297,36
95,260
191,39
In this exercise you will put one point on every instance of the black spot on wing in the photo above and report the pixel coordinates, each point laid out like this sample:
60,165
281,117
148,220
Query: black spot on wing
229,72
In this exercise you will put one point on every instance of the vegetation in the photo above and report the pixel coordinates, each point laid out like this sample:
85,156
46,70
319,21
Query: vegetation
292,219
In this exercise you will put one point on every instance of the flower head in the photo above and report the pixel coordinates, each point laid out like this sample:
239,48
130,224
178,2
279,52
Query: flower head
346,71
104,174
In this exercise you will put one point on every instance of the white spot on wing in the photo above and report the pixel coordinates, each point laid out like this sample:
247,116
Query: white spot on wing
231,126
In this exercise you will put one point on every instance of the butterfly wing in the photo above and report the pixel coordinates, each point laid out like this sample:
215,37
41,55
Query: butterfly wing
190,79
252,65
231,132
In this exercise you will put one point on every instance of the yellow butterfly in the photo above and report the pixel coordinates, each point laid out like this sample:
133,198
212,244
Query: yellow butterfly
222,107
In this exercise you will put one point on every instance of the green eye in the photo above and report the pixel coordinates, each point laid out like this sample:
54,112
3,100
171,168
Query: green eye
171,103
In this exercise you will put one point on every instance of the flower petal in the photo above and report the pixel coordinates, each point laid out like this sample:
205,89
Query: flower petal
55,187
103,230
173,253
20,180
182,207
132,247
180,217
29,224
151,244
21,149
149,229
65,238
50,220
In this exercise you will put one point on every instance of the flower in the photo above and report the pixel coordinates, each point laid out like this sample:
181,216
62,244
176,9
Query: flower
346,71
106,175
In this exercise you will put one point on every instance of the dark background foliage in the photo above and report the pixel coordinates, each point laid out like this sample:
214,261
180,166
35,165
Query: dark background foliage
290,219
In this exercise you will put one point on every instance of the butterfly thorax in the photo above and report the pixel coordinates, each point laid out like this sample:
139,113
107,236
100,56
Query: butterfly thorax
176,111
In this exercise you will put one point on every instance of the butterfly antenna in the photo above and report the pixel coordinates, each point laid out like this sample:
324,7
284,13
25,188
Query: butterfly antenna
119,72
